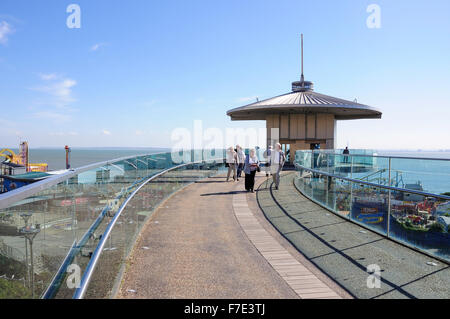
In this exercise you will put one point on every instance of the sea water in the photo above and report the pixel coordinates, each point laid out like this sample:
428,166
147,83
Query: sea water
56,158
434,175
431,172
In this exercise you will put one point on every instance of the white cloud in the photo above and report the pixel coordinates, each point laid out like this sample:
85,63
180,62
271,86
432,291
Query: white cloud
149,103
97,46
139,132
54,104
8,17
63,89
60,90
64,134
54,116
8,123
247,99
106,132
200,100
56,134
5,30
48,76
9,128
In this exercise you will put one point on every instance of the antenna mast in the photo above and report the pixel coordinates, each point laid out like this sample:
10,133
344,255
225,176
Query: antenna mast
302,85
302,77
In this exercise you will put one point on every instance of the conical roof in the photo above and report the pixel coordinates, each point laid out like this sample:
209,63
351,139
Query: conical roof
304,101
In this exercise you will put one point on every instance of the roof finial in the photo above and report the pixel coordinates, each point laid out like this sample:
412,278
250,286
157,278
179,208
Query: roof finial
302,85
302,77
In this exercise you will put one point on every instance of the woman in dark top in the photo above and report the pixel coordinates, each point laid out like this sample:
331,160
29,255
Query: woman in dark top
250,168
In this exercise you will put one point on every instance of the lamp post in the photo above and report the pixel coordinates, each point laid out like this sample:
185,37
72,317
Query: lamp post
67,148
29,232
26,217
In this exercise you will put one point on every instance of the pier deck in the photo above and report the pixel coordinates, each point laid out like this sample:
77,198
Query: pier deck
343,249
213,240
201,244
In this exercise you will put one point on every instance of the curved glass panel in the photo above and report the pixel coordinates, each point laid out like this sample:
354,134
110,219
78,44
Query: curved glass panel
402,198
105,280
59,225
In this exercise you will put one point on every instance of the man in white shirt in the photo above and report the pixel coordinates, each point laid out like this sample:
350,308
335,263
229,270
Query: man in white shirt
277,160
231,160
267,155
240,156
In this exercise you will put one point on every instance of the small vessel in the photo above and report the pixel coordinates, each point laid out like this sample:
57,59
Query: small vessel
416,187
369,211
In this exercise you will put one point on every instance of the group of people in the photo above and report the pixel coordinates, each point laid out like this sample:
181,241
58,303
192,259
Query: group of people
237,162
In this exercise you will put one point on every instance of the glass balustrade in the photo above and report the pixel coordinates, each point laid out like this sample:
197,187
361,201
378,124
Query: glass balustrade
405,199
106,276
58,224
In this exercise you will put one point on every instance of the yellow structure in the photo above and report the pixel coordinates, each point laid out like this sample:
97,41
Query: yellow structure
10,156
22,159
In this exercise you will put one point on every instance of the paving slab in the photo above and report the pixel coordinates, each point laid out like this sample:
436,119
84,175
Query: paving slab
341,250
199,250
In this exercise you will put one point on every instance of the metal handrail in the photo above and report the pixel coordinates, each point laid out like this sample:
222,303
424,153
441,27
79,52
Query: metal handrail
398,189
76,247
379,156
50,291
11,197
81,291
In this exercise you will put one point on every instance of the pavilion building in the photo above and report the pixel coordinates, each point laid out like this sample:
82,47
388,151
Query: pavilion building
303,119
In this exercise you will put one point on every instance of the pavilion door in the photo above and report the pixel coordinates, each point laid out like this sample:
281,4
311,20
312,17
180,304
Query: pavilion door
286,148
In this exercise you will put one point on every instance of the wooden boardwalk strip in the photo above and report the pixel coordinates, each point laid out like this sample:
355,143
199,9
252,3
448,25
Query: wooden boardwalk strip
305,284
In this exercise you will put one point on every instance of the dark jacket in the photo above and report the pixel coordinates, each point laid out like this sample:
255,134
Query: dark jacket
247,167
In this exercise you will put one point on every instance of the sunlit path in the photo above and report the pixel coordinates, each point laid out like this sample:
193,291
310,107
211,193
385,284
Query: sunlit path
193,247
343,249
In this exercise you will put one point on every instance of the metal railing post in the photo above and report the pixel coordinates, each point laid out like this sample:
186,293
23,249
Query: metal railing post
386,189
389,201
351,187
328,180
90,268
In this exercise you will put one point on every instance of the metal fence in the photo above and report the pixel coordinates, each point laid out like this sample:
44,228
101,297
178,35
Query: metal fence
371,194
86,218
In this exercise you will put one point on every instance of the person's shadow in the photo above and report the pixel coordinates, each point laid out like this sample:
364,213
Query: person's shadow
224,193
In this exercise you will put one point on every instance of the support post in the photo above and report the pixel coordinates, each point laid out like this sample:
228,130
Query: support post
351,186
389,201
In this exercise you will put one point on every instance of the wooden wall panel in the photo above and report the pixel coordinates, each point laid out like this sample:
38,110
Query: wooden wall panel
293,126
311,126
321,128
330,144
301,129
272,121
284,126
330,126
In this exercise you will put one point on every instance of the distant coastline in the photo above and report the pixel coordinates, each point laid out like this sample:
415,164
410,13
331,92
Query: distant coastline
80,156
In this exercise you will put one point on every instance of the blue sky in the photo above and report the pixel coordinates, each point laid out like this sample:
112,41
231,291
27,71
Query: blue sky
136,70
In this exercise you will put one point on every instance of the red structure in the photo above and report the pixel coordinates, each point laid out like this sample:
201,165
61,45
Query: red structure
67,148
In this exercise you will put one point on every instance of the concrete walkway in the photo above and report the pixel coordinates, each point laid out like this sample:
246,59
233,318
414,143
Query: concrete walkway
198,250
343,250
194,247
298,277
